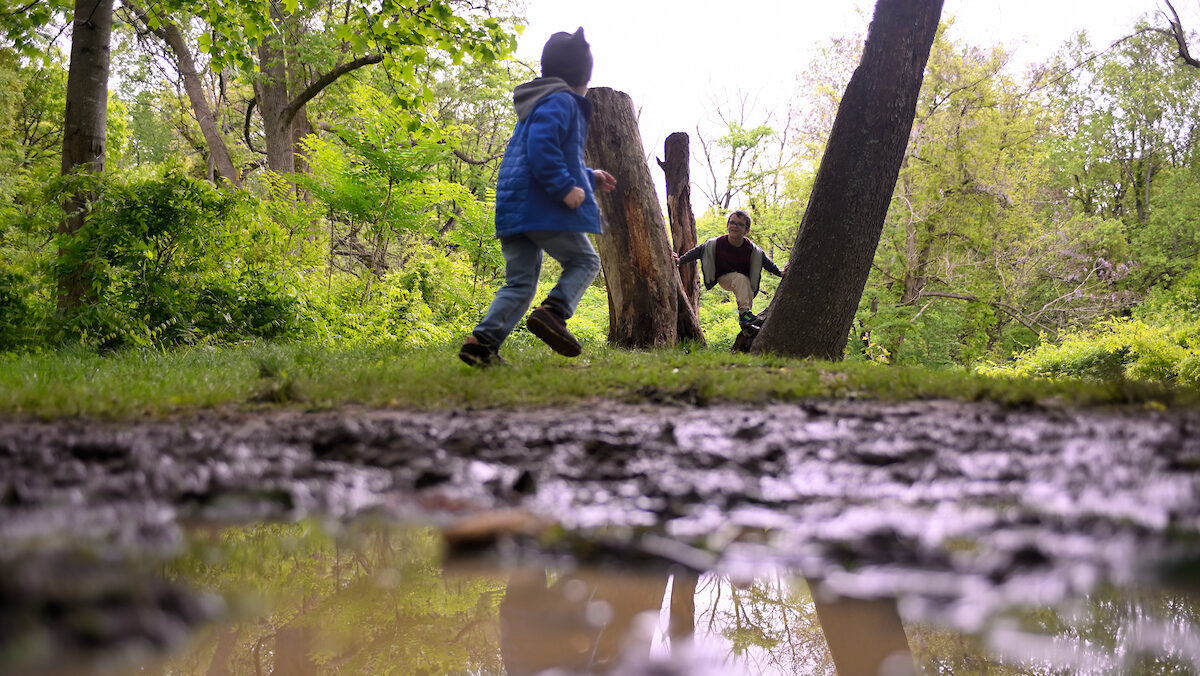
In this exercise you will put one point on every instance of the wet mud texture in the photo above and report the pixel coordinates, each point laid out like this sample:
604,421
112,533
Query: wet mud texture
940,501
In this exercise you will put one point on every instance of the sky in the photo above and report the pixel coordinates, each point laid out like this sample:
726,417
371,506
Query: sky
675,57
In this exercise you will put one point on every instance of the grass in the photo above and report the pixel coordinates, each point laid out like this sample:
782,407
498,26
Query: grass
153,383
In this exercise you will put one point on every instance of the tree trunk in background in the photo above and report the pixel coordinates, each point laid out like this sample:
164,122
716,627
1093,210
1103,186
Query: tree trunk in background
218,152
643,287
814,306
274,95
84,124
676,166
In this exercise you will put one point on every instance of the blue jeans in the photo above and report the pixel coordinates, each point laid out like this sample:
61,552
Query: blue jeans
523,265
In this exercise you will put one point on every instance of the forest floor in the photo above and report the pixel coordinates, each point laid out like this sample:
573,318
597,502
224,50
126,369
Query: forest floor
952,502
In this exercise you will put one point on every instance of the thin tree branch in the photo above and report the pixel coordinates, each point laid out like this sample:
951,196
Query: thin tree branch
246,127
1026,321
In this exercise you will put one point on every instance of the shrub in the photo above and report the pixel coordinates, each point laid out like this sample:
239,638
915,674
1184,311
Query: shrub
18,317
171,260
1116,348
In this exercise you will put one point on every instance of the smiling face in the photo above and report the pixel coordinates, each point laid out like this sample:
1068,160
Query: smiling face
737,226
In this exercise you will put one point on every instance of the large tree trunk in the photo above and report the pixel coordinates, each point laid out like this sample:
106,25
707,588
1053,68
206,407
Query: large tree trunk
273,94
676,166
84,123
643,286
814,306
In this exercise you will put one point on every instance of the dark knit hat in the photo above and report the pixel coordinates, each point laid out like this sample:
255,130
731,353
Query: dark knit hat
568,56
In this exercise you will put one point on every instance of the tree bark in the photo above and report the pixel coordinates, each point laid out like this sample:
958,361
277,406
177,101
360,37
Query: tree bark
272,94
813,309
643,287
677,167
84,122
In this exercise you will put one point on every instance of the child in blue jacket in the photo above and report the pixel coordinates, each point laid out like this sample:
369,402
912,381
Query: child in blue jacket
545,201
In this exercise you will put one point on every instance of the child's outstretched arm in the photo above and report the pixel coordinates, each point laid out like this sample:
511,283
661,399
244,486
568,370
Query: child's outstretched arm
691,255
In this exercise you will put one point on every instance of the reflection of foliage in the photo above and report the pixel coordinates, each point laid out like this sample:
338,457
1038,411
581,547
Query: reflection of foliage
372,602
1111,632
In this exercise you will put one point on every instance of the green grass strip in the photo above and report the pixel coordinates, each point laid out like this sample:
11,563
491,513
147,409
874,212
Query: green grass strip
140,383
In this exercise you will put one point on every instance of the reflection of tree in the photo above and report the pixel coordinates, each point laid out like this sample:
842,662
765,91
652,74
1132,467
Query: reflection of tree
772,624
376,603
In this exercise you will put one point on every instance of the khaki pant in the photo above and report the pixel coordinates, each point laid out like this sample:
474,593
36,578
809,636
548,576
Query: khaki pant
739,284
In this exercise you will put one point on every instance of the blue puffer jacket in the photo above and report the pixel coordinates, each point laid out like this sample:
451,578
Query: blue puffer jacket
544,160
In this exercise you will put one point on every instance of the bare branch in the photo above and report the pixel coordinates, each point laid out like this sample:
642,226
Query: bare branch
1180,37
1026,321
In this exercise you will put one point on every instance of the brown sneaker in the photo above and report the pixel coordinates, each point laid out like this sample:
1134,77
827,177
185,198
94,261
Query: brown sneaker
547,325
477,354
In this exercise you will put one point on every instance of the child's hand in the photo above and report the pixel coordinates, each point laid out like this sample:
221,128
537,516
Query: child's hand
574,198
605,181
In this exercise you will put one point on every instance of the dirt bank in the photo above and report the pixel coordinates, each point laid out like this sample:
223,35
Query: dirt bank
1079,493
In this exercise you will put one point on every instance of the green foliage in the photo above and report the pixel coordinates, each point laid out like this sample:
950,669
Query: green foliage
18,316
171,259
1117,348
1160,342
26,27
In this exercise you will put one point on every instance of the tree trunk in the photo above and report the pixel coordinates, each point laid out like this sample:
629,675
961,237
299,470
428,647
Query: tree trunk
273,99
641,278
218,152
84,123
813,309
676,166
682,620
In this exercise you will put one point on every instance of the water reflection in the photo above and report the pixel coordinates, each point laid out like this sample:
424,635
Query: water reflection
381,601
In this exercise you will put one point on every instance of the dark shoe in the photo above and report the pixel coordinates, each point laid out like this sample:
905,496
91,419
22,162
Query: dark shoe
547,325
477,354
747,318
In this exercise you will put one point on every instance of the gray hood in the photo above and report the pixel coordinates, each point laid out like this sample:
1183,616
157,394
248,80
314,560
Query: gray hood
526,96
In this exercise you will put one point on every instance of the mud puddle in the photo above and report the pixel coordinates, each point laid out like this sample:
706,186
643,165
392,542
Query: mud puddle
1034,540
374,598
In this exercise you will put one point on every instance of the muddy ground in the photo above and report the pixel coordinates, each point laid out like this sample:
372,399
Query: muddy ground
959,505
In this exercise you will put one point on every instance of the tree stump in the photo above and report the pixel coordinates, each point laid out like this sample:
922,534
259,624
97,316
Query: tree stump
677,167
635,256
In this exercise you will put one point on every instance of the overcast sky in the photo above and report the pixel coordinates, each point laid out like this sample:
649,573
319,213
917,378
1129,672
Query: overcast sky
674,56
